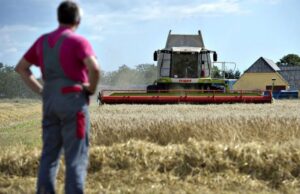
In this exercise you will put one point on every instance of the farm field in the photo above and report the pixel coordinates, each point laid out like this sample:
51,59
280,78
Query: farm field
238,148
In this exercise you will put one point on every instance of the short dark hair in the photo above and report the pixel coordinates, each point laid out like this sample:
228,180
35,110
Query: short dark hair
68,13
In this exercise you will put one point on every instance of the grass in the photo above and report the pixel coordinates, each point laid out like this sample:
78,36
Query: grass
20,123
142,167
238,148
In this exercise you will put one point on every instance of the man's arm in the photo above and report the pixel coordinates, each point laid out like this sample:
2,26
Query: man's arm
23,68
94,73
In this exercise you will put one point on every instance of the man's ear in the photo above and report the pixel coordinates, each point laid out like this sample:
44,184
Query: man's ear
77,24
78,21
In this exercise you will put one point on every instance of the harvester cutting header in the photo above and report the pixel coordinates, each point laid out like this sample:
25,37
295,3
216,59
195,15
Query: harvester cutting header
185,69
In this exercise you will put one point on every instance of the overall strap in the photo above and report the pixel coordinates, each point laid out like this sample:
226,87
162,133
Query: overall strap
52,65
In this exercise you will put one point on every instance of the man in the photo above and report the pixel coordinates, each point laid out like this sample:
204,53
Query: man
70,73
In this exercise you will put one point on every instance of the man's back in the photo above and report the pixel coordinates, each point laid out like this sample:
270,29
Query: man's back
73,51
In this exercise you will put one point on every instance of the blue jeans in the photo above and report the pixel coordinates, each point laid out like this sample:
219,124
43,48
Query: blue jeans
65,130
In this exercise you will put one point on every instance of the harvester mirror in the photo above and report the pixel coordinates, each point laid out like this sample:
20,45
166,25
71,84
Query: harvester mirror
215,56
155,56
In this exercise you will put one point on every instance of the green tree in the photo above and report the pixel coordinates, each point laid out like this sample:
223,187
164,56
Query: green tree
142,74
237,74
229,74
289,60
11,84
216,73
147,73
124,76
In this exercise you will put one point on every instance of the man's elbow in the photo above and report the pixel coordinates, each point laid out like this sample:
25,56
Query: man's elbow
21,70
22,67
97,71
18,69
92,65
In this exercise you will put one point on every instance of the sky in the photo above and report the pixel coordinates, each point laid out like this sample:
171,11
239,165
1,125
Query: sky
129,31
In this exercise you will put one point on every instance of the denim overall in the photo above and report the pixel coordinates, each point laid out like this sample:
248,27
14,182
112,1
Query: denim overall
65,126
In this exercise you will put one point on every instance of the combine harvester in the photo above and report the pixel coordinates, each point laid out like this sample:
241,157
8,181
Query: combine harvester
185,76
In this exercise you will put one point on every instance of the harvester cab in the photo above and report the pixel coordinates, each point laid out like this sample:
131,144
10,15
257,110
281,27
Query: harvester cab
185,75
185,62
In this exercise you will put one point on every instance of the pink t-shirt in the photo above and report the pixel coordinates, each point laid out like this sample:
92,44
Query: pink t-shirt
73,51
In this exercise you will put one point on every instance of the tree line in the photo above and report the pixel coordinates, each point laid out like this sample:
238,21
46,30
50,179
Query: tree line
143,74
12,86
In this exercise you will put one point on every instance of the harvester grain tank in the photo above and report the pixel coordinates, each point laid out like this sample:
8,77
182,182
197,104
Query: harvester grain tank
185,75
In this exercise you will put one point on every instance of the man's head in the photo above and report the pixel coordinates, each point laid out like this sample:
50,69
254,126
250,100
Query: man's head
68,13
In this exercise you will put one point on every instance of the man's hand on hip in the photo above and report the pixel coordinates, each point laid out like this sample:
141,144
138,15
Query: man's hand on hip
23,68
94,74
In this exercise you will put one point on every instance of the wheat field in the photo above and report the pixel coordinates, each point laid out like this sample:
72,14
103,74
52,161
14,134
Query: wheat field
236,148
